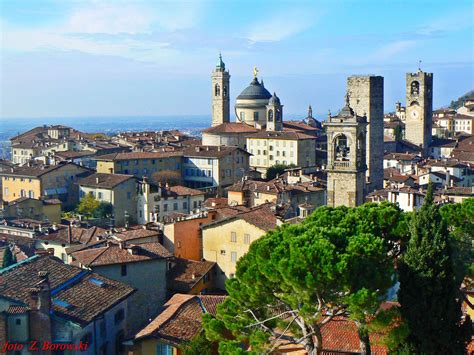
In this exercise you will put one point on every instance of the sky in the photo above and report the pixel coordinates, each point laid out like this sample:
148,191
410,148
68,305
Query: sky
66,58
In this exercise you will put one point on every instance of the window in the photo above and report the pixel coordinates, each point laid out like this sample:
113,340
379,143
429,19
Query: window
270,115
222,252
233,237
247,238
217,90
99,195
242,116
129,195
195,204
255,116
6,191
23,193
136,162
164,349
119,316
87,338
18,321
185,205
233,256
175,206
123,269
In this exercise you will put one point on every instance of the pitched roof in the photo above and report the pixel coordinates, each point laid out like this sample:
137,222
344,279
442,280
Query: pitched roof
75,234
185,274
137,233
37,170
286,134
261,217
208,151
181,318
138,155
231,127
107,181
68,283
114,253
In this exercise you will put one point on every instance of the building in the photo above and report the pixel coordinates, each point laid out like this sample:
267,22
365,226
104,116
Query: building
346,158
43,299
32,208
419,110
220,94
179,322
44,181
226,240
253,193
142,266
157,201
211,166
117,189
404,162
269,148
407,198
228,134
139,164
366,95
190,276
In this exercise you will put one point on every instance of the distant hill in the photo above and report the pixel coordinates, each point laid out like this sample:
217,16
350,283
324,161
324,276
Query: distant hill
458,103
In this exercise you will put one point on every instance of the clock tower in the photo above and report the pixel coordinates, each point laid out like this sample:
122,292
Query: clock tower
419,109
220,94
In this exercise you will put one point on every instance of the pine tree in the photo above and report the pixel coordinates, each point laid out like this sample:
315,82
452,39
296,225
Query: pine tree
8,258
429,292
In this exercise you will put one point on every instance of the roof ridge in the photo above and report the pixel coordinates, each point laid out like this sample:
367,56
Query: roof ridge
8,268
103,251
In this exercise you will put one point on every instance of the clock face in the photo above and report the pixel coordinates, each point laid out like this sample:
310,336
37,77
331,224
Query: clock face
414,114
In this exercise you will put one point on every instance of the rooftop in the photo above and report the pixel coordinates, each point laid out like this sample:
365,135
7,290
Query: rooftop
107,181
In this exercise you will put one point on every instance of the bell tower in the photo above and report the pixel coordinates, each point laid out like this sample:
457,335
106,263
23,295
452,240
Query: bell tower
347,134
274,114
220,94
419,109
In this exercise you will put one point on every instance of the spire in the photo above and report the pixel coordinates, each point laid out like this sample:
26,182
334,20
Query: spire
310,111
220,64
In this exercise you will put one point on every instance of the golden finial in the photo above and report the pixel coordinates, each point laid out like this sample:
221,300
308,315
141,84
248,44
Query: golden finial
255,72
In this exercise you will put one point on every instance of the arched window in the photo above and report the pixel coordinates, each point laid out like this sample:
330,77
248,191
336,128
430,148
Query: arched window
277,115
415,88
270,115
224,91
341,148
217,90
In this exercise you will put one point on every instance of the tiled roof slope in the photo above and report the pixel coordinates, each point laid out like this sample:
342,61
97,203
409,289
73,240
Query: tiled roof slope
68,283
181,318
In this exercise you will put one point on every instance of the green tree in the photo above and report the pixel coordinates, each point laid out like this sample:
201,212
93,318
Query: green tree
88,205
295,279
8,258
429,292
199,345
104,210
398,132
277,169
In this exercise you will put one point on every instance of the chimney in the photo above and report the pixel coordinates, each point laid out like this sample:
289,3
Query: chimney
219,148
69,233
97,180
40,308
197,149
122,244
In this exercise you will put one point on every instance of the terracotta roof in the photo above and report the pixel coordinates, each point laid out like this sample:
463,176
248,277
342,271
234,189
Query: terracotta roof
138,233
174,191
261,216
107,181
340,335
215,202
36,170
76,234
71,154
207,151
458,191
181,318
185,274
17,309
275,186
300,126
401,156
231,127
68,283
113,253
138,155
286,134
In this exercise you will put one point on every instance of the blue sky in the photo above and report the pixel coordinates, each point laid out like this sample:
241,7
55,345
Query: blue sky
107,58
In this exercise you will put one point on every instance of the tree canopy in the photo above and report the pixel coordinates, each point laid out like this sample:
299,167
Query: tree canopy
8,258
88,205
429,294
278,169
339,261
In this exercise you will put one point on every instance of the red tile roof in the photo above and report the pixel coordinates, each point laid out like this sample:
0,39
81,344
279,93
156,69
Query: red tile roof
106,181
185,274
181,318
231,127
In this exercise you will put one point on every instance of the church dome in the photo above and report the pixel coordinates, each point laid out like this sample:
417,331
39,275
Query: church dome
274,100
254,91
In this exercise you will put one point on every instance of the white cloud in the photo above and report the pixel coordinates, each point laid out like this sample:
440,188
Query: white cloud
281,26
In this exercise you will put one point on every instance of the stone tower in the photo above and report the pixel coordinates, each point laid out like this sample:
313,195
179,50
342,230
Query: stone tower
366,99
220,94
346,167
419,110
274,114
